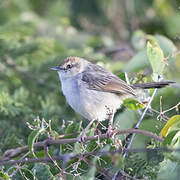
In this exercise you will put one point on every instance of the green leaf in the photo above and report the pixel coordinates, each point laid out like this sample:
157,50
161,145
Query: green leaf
77,148
168,170
166,45
42,171
121,75
54,134
92,171
168,139
91,146
171,163
4,176
73,127
141,141
137,62
133,104
156,58
138,40
173,123
32,137
125,120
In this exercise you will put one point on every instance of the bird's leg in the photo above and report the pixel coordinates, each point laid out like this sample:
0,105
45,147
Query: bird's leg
83,134
110,128
96,130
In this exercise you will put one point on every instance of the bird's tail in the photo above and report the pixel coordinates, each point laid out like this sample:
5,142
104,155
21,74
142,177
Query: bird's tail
152,85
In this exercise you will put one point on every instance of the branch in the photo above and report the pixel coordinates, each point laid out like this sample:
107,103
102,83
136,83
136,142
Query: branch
11,153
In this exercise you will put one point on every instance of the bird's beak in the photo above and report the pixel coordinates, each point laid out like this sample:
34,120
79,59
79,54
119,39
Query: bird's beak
56,68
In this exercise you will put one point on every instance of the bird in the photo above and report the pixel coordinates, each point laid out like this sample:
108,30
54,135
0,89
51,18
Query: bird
94,92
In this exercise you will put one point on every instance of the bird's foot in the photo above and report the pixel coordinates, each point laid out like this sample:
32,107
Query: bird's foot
110,131
96,130
82,137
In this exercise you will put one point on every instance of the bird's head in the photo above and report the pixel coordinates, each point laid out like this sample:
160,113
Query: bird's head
70,67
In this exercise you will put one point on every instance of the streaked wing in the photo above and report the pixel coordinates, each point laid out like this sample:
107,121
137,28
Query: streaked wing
102,80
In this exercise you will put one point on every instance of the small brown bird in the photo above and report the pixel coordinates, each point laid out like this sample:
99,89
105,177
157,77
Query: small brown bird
94,92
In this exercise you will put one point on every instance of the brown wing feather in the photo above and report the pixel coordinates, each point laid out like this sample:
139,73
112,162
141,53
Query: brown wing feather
119,87
102,80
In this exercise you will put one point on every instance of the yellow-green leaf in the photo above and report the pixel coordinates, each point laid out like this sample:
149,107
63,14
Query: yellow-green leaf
169,137
133,104
32,137
174,121
4,176
54,134
156,58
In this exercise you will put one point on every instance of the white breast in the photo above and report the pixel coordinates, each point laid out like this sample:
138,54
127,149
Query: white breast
70,91
89,103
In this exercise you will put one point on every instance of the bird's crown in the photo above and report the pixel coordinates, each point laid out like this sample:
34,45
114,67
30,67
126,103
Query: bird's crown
70,59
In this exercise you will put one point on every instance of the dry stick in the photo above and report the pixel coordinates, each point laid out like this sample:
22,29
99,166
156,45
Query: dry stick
15,152
165,118
139,122
174,107
161,113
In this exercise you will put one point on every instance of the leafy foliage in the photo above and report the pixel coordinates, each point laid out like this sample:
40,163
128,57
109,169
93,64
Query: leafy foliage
35,35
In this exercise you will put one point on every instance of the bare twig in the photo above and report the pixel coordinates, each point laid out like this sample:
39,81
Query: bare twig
172,55
165,118
174,107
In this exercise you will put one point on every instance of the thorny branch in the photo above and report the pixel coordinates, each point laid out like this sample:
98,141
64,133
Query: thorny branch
11,153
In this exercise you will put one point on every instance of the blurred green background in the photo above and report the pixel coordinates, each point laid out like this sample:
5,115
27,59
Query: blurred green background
37,34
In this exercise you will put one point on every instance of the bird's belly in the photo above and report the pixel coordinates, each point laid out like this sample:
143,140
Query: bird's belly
91,104
97,105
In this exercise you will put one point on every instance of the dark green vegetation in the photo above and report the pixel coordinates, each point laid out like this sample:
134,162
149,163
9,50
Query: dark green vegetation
36,35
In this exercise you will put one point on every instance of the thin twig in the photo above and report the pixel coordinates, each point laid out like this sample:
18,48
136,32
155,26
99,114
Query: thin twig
170,109
165,118
172,55
174,107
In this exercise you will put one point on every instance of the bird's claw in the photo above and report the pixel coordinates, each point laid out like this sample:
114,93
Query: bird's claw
110,131
82,137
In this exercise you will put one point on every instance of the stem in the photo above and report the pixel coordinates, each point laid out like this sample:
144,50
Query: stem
140,120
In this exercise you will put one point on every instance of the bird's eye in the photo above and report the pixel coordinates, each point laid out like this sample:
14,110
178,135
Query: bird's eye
68,66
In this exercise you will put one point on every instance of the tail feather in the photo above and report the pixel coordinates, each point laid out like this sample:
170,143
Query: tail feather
152,85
